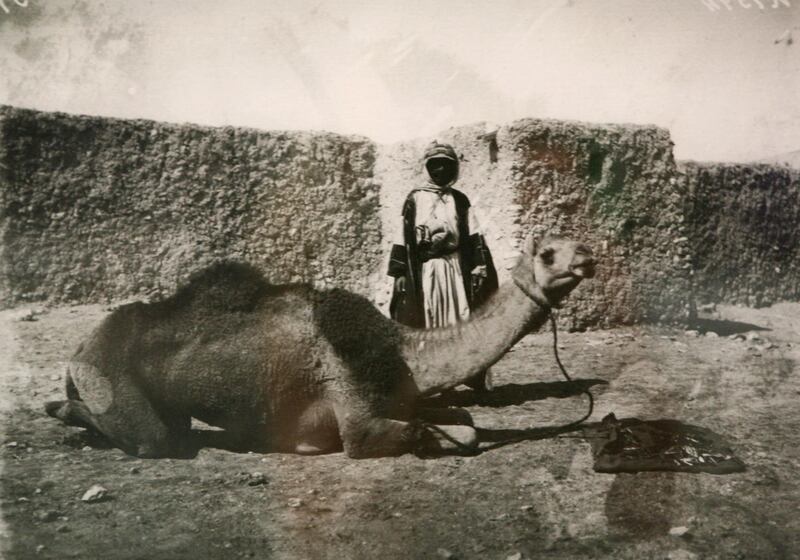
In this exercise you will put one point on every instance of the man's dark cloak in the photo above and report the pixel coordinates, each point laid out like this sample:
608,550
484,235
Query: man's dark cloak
407,308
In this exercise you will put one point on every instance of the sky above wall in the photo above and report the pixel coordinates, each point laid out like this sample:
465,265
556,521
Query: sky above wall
722,75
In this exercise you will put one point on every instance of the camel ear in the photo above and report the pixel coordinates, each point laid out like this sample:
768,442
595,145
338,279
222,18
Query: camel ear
531,244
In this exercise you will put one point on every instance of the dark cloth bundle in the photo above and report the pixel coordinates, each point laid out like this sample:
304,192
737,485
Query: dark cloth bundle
632,445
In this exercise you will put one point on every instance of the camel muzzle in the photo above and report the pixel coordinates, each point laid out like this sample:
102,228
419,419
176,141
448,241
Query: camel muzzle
585,268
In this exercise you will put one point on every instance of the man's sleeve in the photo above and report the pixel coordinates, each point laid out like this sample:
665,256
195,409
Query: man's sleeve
398,260
477,243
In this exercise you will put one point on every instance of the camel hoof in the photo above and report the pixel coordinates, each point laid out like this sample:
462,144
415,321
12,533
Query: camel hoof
489,380
57,409
482,383
455,438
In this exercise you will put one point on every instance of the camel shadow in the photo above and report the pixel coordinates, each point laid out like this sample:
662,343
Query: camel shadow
86,438
490,439
512,394
196,440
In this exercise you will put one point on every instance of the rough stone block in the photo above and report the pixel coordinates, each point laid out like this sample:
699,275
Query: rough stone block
743,223
97,209
614,186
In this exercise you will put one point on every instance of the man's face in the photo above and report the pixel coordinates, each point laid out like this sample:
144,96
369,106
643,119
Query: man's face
441,170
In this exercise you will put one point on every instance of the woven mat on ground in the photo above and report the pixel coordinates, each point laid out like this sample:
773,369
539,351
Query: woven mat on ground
633,445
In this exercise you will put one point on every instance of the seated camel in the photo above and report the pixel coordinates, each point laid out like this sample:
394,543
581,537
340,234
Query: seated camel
289,368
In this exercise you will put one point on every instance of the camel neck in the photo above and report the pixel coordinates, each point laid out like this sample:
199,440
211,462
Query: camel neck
444,358
534,292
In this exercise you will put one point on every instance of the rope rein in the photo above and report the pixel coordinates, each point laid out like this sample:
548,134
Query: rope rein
476,451
587,392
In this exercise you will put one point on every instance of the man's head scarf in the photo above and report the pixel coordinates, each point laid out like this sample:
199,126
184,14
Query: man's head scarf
444,151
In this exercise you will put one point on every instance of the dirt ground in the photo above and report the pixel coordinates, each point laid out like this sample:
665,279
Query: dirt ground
533,499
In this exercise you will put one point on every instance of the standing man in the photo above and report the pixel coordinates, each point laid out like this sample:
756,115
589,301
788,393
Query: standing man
441,264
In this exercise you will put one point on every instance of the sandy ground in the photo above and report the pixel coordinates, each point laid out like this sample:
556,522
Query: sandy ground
534,499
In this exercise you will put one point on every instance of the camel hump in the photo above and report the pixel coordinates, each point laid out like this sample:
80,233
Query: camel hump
367,341
222,286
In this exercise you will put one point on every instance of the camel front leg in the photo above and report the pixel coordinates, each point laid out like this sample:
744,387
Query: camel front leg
116,407
366,436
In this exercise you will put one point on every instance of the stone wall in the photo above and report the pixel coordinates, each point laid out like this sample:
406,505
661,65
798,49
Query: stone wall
615,187
744,230
96,209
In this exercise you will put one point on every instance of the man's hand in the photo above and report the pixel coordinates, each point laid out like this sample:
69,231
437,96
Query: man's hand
477,282
400,284
478,277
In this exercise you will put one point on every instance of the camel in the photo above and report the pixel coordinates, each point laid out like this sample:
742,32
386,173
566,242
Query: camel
287,368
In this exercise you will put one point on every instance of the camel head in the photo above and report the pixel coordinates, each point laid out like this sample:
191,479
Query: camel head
551,267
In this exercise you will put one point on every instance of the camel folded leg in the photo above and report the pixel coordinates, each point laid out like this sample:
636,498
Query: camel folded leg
366,436
72,413
117,408
450,439
317,432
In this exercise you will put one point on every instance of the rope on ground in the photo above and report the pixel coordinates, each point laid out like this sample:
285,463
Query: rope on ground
554,431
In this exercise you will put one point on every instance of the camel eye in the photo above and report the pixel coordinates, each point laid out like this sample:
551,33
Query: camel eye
547,255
